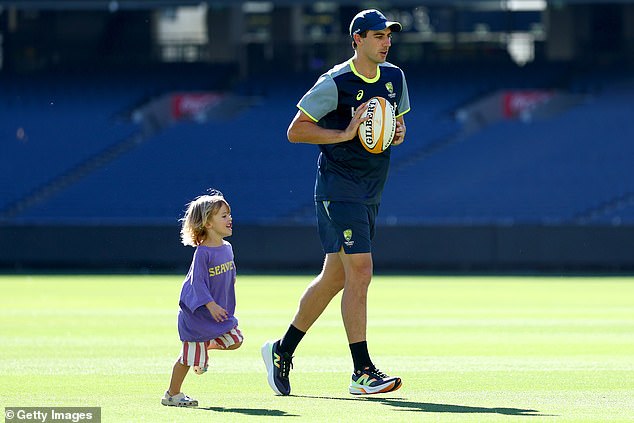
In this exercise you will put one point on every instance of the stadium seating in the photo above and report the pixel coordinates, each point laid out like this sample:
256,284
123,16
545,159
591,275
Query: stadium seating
560,170
573,168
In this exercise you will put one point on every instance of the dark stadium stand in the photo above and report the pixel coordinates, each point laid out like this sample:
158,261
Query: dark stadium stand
546,171
574,167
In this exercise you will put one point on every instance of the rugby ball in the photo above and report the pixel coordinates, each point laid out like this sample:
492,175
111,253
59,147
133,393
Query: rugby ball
377,130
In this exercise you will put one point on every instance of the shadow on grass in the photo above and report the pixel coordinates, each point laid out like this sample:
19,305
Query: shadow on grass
250,411
398,403
438,408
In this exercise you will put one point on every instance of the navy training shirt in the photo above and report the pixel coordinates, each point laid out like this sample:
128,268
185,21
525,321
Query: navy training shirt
347,171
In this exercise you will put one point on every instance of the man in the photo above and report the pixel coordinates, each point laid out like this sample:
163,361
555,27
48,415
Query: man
348,190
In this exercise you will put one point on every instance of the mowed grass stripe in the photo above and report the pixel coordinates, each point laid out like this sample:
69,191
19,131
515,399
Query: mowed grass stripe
468,349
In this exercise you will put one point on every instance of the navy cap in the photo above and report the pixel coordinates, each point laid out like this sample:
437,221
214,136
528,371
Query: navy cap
372,19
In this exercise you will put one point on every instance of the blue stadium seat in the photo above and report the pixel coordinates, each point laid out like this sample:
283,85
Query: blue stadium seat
575,167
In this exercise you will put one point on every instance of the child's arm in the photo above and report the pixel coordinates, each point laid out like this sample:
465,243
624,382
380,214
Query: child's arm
218,313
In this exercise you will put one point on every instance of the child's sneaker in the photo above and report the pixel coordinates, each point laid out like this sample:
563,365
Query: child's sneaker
373,381
178,400
200,370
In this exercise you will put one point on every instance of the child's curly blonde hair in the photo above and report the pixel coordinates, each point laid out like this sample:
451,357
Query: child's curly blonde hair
198,214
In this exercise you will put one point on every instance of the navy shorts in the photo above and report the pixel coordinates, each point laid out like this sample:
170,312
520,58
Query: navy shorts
347,225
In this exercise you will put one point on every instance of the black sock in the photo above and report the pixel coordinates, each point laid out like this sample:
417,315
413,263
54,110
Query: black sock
291,339
360,355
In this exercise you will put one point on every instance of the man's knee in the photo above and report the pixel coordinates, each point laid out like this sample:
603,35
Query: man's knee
358,268
332,276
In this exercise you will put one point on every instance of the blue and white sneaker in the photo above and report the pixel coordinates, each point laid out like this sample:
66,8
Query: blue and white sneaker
373,381
178,400
278,366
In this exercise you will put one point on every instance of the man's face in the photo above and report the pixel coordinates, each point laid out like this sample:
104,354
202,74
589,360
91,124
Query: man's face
376,45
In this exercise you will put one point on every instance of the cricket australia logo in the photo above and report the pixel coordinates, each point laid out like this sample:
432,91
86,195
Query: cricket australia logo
390,89
347,235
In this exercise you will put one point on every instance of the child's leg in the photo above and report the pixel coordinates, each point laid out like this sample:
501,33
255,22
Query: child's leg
215,346
178,376
229,341
220,346
192,354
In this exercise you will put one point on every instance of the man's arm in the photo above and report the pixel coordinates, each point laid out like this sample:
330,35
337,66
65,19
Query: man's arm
304,130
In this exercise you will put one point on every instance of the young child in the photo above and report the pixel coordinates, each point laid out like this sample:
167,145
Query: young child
207,302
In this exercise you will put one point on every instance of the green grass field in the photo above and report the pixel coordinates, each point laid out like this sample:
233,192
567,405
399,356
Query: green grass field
469,349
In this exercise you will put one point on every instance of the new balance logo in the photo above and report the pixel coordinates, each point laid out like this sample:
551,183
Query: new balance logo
365,380
276,360
373,382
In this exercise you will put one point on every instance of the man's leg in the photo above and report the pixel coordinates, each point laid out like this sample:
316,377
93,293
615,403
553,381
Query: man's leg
314,301
358,274
278,355
320,292
358,269
366,379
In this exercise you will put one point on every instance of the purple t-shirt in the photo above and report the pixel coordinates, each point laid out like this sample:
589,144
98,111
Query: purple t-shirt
211,277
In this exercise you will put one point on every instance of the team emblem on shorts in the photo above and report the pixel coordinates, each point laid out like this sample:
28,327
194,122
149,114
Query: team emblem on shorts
347,235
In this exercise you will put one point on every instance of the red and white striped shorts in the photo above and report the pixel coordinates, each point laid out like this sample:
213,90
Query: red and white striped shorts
195,353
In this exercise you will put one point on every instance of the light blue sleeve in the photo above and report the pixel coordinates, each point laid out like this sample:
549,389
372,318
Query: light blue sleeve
320,100
403,104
